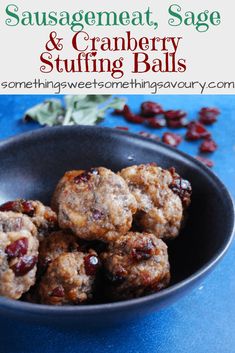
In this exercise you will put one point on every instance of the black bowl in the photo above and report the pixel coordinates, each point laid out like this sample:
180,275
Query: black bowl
31,165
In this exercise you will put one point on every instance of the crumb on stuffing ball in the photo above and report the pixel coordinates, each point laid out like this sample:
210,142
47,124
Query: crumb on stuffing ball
94,204
69,279
18,254
161,195
135,265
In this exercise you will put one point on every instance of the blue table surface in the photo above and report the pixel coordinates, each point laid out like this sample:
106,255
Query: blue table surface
201,322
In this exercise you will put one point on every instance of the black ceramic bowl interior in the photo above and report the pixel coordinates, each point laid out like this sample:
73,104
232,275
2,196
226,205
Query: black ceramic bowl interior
31,166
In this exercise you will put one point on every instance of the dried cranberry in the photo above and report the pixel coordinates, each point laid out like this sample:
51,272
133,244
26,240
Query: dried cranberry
91,263
18,248
196,131
177,124
143,252
182,188
136,119
149,109
28,208
85,176
24,265
208,116
208,146
171,139
174,114
8,206
97,215
205,161
123,128
127,111
156,123
58,292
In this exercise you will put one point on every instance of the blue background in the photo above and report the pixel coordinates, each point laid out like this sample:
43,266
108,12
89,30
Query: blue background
201,322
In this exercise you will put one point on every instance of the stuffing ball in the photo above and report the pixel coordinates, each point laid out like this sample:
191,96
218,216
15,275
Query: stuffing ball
42,216
18,254
135,265
54,245
69,279
94,204
161,195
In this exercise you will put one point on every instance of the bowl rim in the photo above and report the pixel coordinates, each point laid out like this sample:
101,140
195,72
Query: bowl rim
42,309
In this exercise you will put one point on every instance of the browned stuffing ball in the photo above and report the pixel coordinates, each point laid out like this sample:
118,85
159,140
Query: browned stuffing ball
94,204
135,265
18,254
54,245
161,195
69,279
42,216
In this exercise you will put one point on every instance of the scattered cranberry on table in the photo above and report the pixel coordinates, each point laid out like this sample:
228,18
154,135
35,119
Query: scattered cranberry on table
155,117
136,119
208,146
171,139
208,116
196,131
156,123
150,109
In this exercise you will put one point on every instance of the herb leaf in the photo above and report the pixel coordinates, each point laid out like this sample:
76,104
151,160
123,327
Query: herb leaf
79,110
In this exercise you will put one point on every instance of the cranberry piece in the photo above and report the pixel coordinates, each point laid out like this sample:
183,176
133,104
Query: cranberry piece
58,292
175,118
176,124
136,119
143,252
85,176
196,131
123,128
208,146
91,263
27,208
127,111
174,114
149,109
156,123
182,188
24,265
8,206
208,116
171,139
18,248
205,161
97,215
